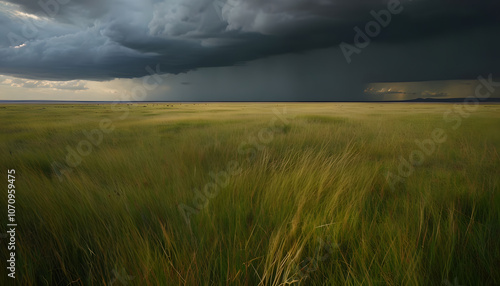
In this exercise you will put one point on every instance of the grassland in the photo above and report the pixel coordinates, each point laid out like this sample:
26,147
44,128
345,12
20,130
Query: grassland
249,194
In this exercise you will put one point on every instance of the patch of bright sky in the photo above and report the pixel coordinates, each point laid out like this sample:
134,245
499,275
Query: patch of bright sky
13,10
12,88
425,89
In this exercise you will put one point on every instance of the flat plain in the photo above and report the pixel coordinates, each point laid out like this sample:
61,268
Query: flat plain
253,193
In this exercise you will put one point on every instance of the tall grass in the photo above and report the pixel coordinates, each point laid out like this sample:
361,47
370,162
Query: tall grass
311,206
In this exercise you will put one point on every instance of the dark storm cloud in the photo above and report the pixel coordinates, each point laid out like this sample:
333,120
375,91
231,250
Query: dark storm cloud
102,40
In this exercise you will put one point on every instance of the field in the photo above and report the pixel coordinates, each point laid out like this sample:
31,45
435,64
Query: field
253,194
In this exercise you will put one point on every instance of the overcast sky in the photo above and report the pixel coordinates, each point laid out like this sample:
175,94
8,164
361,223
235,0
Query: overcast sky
246,49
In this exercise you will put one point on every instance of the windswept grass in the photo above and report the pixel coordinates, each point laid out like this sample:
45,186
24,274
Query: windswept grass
307,203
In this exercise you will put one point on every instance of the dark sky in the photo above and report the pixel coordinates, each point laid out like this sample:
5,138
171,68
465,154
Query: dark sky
248,49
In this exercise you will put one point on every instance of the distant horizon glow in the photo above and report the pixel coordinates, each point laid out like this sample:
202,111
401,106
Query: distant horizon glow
108,91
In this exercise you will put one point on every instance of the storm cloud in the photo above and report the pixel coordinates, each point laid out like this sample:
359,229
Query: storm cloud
107,39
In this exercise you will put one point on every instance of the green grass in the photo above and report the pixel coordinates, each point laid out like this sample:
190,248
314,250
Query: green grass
308,202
